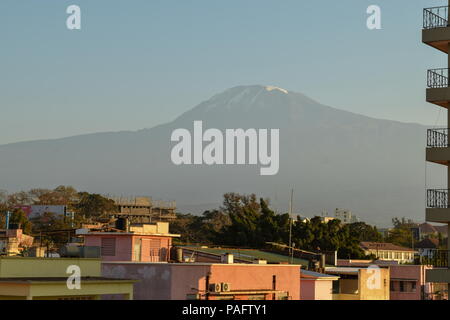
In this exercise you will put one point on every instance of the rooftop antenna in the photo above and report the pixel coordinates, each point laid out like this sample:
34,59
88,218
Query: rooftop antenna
290,225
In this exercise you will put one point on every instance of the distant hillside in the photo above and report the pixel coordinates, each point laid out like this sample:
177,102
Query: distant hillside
331,157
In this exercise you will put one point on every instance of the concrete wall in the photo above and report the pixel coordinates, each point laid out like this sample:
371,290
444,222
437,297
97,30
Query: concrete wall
367,292
125,247
11,267
314,289
175,281
408,273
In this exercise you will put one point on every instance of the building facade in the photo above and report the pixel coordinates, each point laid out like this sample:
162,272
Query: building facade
208,281
141,243
436,34
389,252
47,279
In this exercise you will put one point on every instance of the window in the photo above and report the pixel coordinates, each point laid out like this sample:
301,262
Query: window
392,285
413,286
336,287
108,248
402,286
155,250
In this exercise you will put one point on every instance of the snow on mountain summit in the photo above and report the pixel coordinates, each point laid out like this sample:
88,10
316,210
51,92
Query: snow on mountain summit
271,88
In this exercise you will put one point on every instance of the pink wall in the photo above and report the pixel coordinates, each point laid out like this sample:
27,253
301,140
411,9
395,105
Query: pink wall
408,272
125,246
176,281
308,289
312,289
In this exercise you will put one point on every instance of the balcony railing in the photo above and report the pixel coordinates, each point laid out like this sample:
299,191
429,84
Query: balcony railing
437,138
435,258
437,198
436,17
438,78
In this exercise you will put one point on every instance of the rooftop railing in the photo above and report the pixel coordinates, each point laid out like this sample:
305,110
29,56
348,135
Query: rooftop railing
437,138
438,78
435,258
437,198
436,17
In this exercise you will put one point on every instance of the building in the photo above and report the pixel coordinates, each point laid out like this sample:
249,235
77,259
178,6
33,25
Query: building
389,252
47,278
13,242
427,230
360,283
316,286
408,282
208,281
345,216
427,247
436,34
144,209
215,255
142,243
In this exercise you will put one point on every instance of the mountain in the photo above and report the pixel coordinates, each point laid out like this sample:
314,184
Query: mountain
333,159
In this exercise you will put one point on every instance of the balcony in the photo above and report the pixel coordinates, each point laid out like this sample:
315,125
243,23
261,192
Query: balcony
436,31
435,17
438,147
438,91
438,208
435,258
439,259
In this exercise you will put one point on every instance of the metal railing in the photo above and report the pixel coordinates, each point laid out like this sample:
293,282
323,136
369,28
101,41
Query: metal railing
437,198
436,17
437,138
437,78
435,258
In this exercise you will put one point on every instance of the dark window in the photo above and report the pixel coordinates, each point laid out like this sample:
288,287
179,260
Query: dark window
336,287
108,247
392,285
402,286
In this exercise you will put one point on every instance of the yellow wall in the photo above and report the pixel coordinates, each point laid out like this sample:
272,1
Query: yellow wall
14,267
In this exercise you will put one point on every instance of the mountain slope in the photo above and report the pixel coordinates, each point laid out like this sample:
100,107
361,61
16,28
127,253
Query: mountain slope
332,158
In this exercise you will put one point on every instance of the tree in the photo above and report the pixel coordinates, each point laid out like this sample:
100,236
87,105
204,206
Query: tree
93,206
401,234
365,232
19,217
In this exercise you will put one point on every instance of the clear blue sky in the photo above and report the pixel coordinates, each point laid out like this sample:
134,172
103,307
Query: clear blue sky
139,63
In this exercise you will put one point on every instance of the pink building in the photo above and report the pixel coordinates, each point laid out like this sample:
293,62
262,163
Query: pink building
142,243
408,283
181,281
316,286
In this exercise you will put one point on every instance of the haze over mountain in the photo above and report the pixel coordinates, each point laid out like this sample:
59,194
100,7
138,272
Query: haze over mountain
333,159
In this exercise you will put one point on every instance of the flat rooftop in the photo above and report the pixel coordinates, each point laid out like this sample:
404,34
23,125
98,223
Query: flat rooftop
250,255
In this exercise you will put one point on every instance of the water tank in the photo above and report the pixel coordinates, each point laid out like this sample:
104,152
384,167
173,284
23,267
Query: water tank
122,224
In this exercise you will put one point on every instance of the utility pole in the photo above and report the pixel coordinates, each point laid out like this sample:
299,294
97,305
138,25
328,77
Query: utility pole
290,225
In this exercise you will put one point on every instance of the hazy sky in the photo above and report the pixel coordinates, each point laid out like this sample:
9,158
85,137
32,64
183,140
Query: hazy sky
139,63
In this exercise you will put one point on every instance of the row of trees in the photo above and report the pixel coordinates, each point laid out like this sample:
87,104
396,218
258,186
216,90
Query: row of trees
87,208
245,221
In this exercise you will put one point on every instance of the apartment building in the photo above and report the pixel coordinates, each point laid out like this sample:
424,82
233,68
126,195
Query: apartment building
436,34
141,242
389,252
46,279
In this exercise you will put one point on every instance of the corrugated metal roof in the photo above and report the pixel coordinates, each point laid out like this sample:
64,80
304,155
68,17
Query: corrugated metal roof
316,274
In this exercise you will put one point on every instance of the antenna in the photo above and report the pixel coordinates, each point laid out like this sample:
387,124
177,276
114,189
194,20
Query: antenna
291,252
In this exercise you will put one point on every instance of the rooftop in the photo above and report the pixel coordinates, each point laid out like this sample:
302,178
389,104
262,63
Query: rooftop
383,246
316,275
250,255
